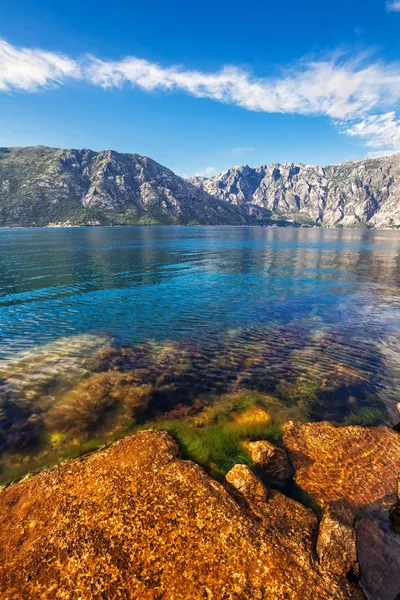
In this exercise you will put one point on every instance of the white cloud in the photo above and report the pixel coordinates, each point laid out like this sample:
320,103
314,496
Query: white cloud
210,171
336,87
381,153
393,6
28,70
354,91
378,131
207,172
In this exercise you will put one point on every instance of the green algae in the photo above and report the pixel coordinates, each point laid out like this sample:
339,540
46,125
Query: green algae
216,447
364,416
210,402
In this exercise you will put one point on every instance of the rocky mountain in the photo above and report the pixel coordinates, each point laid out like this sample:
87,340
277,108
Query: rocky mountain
348,194
41,186
46,186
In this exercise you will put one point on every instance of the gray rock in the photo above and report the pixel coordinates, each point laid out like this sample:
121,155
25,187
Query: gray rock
349,194
47,186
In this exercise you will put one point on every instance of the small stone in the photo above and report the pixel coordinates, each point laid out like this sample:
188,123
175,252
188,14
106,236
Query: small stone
271,460
336,545
249,486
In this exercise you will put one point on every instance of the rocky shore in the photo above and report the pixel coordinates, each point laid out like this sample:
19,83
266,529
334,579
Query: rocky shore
134,520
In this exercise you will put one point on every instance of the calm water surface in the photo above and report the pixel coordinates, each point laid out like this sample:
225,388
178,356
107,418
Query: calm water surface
216,308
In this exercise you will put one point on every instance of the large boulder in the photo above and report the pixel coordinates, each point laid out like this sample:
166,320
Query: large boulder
134,521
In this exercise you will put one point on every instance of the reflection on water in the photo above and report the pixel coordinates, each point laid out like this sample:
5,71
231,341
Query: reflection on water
104,329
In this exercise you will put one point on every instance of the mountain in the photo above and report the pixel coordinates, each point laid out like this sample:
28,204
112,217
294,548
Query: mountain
348,194
41,186
45,186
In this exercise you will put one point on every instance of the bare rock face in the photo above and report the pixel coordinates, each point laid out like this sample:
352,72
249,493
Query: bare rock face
336,545
134,521
41,186
248,485
271,460
363,191
360,465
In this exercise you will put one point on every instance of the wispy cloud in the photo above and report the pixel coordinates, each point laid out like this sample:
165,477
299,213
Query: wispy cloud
338,87
353,90
28,70
378,131
393,6
207,172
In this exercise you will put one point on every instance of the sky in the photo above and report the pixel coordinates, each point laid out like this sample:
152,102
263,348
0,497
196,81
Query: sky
202,86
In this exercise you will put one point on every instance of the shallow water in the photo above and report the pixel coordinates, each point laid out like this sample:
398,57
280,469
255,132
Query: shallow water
309,317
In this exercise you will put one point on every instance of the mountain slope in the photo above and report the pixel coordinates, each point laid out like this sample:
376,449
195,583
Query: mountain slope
350,194
41,186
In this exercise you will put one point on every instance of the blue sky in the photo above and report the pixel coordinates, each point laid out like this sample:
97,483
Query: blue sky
203,86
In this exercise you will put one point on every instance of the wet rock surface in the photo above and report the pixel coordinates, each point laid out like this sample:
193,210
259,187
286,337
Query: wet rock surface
360,465
336,545
135,521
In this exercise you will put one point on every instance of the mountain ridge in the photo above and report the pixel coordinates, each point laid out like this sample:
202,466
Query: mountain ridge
43,186
353,193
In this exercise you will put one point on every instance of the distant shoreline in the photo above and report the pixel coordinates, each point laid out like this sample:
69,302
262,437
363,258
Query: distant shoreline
247,226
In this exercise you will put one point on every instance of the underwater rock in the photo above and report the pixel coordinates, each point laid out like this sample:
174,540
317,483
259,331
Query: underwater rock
83,407
361,465
336,545
248,485
271,460
135,521
24,375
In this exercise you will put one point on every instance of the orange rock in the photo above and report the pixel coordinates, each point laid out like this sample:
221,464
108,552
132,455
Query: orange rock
133,521
248,485
361,465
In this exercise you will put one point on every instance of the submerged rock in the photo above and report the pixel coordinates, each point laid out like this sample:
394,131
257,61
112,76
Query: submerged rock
134,521
360,465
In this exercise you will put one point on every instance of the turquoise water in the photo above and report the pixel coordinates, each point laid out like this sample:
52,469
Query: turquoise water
252,307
